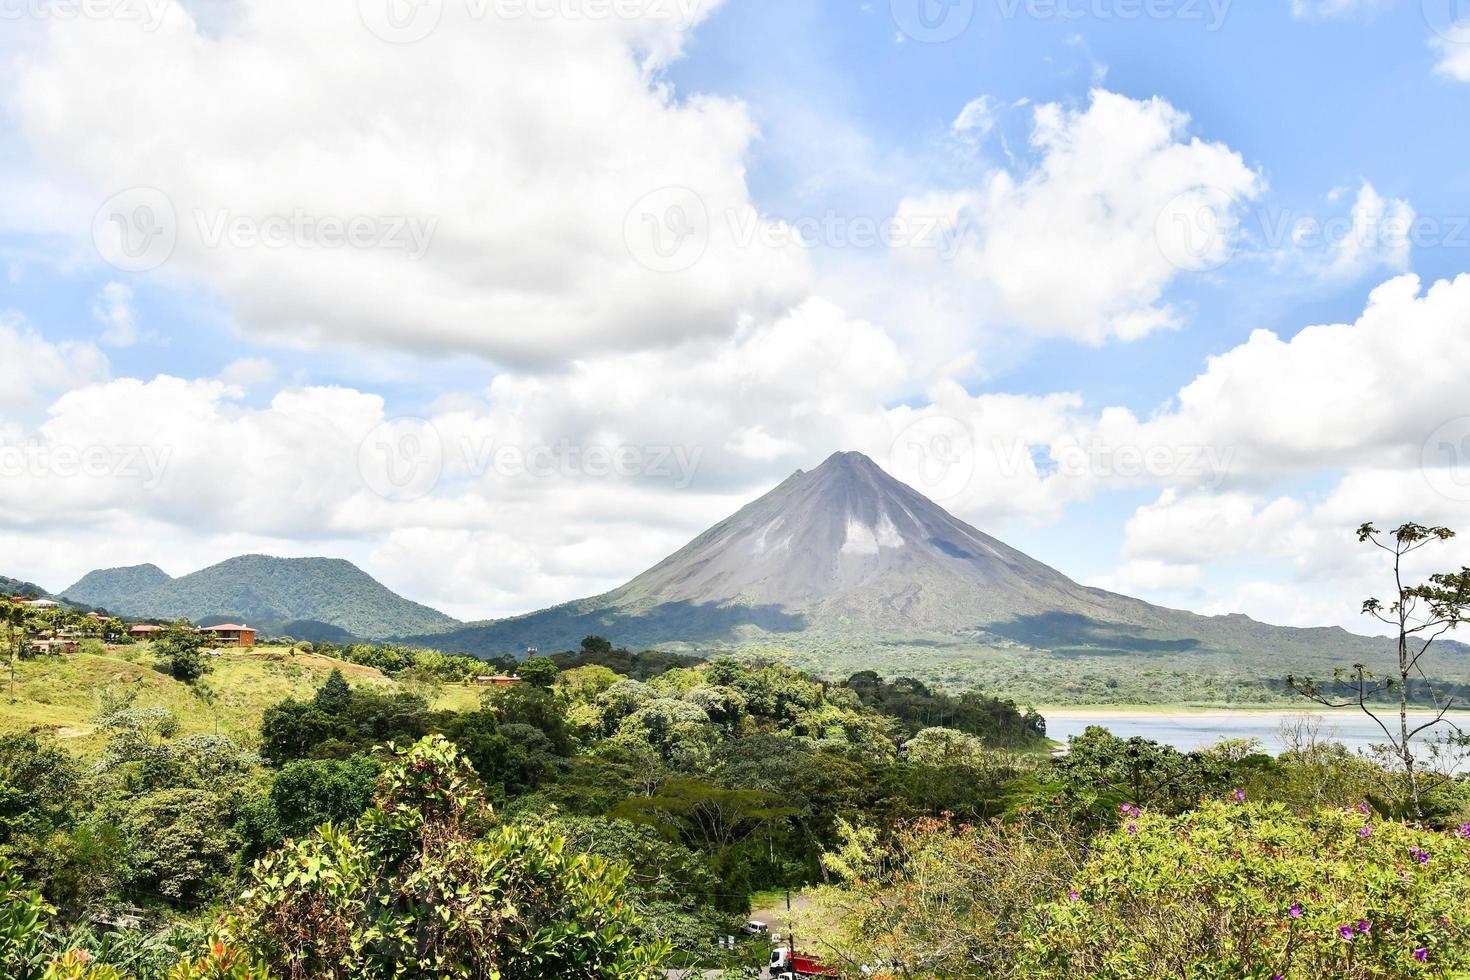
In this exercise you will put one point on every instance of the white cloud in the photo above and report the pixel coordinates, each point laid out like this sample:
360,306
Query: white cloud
1378,238
1186,528
114,310
248,371
1454,53
976,119
33,367
1079,245
1146,579
710,424
1366,393
532,195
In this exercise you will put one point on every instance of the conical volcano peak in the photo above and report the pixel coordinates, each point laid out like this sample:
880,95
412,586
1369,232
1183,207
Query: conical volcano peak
846,551
848,540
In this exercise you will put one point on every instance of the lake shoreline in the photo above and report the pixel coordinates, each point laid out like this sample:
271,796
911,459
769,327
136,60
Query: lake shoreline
1198,727
1074,710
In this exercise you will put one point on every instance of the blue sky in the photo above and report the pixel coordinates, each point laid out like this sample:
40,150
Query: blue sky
528,144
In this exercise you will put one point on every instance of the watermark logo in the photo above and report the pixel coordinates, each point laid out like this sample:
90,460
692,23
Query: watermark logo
932,21
1211,13
667,230
1445,459
934,455
401,459
1450,19
136,230
1197,231
401,21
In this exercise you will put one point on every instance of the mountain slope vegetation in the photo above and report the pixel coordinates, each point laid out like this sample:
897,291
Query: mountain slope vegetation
318,598
104,586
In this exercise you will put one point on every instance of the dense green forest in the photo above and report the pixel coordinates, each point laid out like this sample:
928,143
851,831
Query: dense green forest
615,812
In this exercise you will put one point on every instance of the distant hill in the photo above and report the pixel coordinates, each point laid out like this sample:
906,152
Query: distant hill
854,569
15,586
328,598
103,586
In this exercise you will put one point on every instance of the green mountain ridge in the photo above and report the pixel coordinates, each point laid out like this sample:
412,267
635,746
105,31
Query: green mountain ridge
309,598
104,585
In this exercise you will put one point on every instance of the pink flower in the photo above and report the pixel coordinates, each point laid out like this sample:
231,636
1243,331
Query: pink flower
1295,911
1421,954
1345,932
1073,896
1366,830
1239,795
1132,828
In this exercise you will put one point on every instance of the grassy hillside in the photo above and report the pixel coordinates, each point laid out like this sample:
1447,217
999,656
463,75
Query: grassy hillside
62,693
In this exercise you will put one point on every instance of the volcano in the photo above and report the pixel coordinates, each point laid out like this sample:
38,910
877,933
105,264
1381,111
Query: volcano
845,560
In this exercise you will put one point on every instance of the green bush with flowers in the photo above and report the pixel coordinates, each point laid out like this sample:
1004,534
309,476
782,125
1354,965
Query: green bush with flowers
1238,889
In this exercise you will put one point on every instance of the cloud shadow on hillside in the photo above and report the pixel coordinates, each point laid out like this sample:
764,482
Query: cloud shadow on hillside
1073,635
563,628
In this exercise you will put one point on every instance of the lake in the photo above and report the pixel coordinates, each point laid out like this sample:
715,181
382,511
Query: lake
1189,730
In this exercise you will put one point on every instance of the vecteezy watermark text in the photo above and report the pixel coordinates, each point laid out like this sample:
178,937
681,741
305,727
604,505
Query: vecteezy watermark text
409,21
1203,466
146,464
670,230
138,229
937,21
405,459
148,14
409,234
1203,229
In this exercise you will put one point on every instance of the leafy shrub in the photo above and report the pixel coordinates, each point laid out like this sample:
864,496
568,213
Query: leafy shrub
425,884
943,899
22,919
1248,890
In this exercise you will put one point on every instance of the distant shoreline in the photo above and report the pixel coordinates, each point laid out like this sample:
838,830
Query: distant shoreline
1205,711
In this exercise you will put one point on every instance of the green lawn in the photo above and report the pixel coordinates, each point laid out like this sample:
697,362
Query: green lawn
62,693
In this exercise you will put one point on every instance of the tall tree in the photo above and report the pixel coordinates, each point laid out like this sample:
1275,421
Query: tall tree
1420,614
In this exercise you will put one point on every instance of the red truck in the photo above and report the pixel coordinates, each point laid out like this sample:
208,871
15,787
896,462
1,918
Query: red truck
786,963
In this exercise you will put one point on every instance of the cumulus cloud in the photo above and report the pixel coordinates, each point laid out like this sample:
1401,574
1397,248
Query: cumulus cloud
1080,245
1147,578
33,367
568,482
529,188
1366,393
1192,528
248,371
1454,53
1377,237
